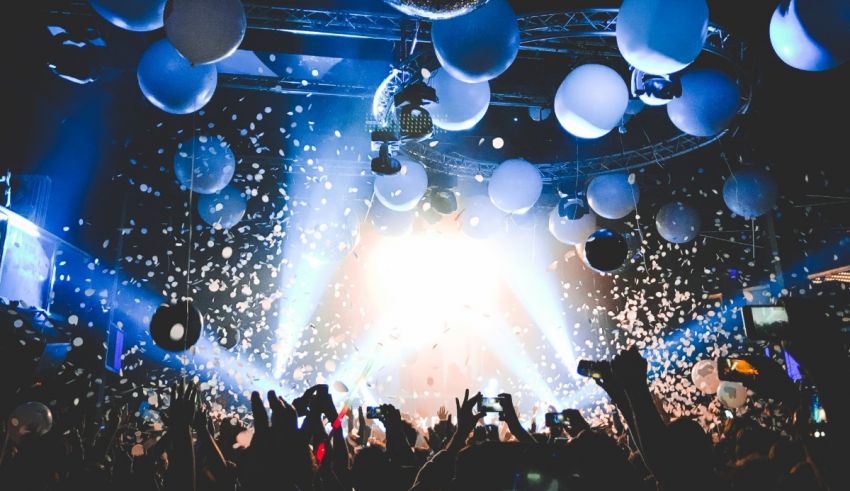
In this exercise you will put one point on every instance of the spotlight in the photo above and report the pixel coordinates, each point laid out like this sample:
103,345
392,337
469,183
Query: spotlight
384,164
655,90
573,204
414,120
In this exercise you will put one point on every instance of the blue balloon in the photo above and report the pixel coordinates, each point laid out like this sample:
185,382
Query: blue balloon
133,15
661,36
171,83
709,102
480,45
212,160
811,35
224,209
750,193
678,222
611,196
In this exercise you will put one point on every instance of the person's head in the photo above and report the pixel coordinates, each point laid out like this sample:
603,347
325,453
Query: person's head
694,451
371,469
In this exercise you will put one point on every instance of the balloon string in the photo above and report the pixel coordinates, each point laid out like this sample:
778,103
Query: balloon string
191,226
753,225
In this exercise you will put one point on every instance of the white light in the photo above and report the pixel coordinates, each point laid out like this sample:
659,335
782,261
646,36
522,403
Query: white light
426,282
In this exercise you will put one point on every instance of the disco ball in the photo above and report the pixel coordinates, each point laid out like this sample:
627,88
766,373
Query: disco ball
436,9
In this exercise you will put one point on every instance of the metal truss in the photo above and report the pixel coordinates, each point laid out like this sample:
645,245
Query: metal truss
577,37
656,153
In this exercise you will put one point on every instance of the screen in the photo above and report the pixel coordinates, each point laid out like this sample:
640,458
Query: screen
114,349
490,405
765,321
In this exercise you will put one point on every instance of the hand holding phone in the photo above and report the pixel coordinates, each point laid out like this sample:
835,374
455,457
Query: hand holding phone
374,412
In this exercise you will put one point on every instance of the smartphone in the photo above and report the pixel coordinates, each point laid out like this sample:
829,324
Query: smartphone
592,369
765,322
373,412
557,419
490,405
735,369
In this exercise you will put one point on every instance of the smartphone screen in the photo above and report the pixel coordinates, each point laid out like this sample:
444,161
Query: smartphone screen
490,405
735,369
554,419
764,322
373,412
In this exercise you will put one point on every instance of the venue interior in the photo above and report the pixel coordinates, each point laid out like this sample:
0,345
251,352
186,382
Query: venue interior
425,245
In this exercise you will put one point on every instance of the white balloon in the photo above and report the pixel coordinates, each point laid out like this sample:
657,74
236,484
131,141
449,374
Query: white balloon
811,35
572,232
403,190
709,102
205,31
515,186
591,101
661,36
611,196
732,394
482,220
461,105
704,376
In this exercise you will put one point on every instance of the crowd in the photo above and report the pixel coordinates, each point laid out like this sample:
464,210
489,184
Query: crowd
311,443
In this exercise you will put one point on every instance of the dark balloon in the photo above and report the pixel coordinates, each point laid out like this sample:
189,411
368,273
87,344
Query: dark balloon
606,251
176,327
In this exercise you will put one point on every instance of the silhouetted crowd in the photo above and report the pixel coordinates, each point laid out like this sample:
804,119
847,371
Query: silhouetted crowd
314,443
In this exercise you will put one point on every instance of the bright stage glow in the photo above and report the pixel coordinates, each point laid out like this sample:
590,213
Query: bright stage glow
433,281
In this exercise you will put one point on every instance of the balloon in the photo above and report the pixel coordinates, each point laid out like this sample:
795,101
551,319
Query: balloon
606,251
704,376
133,15
811,35
224,209
214,164
391,223
436,9
403,190
591,101
750,193
732,394
171,83
478,46
661,36
710,100
461,105
29,418
611,196
678,222
481,219
571,232
176,327
515,186
205,31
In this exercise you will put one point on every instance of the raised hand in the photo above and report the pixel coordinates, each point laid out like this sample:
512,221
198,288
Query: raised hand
184,404
467,418
510,417
364,431
443,413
